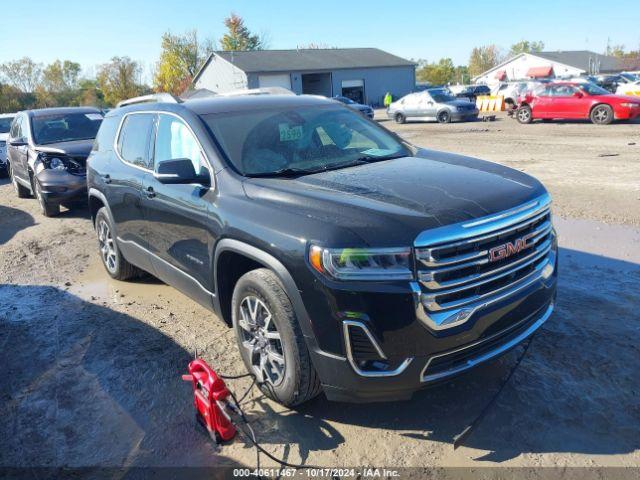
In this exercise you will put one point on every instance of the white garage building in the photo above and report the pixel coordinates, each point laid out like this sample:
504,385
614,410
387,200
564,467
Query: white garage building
526,66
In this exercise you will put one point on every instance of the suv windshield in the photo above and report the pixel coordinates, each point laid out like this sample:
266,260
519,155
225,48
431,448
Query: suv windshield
65,127
346,100
592,89
295,141
5,124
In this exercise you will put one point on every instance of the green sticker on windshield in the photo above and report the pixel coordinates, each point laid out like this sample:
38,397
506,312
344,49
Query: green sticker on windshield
288,134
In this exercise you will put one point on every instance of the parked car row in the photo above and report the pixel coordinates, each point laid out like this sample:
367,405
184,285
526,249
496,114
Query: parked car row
324,240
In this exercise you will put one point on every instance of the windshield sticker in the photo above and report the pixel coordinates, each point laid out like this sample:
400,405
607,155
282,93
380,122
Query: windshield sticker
379,152
288,134
93,116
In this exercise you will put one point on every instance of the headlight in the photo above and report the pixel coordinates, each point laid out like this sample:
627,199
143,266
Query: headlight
362,263
56,163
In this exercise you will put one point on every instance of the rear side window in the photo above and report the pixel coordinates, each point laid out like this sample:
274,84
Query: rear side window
134,138
106,134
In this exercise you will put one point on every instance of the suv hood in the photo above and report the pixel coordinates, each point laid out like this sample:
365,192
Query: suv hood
76,148
389,202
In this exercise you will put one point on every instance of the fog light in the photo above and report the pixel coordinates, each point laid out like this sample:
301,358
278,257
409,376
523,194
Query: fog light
547,271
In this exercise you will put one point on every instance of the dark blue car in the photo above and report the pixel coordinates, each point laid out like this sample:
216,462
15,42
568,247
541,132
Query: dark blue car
366,110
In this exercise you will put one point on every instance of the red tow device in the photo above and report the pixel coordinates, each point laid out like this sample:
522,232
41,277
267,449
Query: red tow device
209,397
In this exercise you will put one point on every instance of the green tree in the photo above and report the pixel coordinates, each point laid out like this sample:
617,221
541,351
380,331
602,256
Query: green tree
438,73
180,59
238,36
483,59
59,84
120,79
525,46
615,51
23,74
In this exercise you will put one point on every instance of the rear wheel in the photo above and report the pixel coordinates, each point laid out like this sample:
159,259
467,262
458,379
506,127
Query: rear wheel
48,209
444,116
399,118
523,114
114,263
601,114
270,339
21,191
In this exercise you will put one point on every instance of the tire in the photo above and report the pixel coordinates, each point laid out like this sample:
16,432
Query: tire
274,351
48,209
112,259
601,114
523,114
399,118
444,116
21,191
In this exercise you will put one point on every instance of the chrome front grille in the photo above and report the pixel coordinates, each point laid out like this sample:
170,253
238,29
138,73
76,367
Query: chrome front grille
484,259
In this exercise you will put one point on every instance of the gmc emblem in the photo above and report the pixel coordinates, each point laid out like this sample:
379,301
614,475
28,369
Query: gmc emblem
510,248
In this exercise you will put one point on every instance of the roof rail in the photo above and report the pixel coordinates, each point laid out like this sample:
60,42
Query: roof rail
153,98
258,91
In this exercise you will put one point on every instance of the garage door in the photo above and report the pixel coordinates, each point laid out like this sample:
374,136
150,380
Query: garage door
281,80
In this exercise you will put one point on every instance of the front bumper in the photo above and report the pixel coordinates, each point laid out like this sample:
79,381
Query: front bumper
466,115
504,326
61,186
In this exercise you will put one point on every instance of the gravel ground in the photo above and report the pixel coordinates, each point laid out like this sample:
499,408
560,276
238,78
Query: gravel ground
91,367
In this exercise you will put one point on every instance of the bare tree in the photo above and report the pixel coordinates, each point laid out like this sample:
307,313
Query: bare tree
23,74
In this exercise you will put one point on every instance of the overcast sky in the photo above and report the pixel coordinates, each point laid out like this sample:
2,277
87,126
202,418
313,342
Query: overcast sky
92,31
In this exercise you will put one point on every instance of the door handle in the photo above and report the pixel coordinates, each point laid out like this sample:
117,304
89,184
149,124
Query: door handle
150,192
106,178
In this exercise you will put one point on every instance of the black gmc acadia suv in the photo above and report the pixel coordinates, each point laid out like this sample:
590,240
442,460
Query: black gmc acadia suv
346,259
46,154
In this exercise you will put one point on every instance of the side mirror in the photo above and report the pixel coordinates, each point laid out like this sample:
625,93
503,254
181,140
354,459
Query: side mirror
578,94
180,171
18,142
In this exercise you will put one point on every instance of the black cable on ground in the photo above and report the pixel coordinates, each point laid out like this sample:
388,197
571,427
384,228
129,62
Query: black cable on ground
462,436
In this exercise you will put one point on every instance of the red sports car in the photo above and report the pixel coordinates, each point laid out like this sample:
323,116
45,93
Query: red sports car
572,100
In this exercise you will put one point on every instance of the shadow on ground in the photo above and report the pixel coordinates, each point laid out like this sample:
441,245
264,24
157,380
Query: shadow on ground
82,385
12,221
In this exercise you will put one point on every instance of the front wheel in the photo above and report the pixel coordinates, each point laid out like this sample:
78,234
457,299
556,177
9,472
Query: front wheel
601,115
444,116
523,114
399,118
114,263
48,209
270,340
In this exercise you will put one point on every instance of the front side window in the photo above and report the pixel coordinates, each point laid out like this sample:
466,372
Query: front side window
65,127
299,140
134,139
5,124
175,141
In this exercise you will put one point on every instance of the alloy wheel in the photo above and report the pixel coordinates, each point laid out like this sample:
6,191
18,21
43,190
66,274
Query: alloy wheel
38,193
601,114
261,340
524,114
107,247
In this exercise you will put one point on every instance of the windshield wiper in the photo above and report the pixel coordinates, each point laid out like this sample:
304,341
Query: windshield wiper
373,158
283,172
